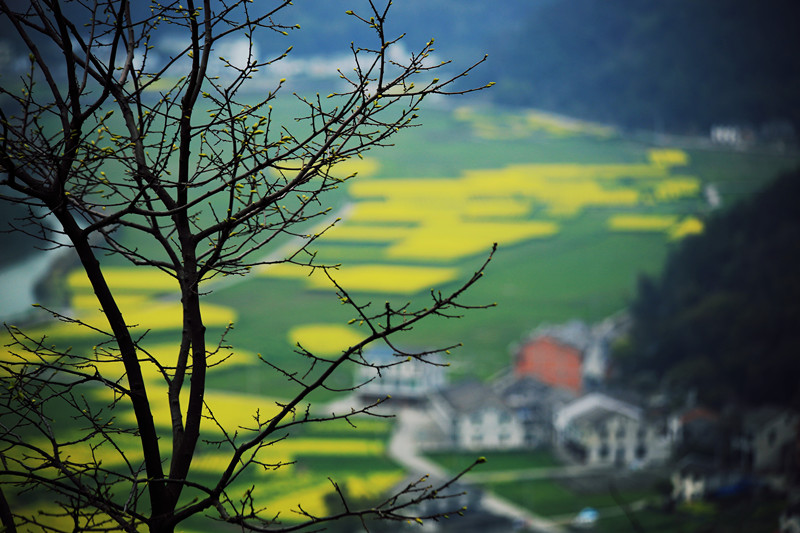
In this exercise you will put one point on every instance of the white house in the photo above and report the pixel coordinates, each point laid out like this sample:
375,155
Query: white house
398,376
769,439
599,429
474,418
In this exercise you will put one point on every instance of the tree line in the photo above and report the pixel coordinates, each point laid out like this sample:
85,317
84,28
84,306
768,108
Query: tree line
721,320
679,66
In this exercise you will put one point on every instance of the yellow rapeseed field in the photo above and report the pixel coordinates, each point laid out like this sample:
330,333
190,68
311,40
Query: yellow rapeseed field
517,126
233,410
302,490
675,188
324,339
424,220
688,226
314,489
287,451
455,238
143,314
668,157
134,279
381,278
373,485
362,167
641,222
364,234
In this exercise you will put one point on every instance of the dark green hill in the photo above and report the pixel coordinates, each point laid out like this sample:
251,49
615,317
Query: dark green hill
680,65
724,318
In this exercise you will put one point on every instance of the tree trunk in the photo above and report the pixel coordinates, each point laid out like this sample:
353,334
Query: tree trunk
138,392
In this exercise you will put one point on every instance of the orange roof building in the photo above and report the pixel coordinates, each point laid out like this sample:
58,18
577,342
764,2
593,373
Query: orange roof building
551,361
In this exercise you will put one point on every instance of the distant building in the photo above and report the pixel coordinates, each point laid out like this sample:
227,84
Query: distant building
390,374
473,417
551,360
769,439
534,404
731,135
572,356
600,430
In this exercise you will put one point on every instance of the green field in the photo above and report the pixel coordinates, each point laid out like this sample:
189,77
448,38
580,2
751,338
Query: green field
484,164
584,271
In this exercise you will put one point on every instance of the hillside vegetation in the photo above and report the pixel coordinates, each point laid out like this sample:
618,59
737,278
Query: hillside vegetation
680,65
722,318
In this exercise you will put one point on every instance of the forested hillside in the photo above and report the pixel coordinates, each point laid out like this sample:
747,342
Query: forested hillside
723,318
680,65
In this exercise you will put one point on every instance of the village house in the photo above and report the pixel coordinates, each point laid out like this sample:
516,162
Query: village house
390,374
758,447
769,440
534,404
571,356
600,430
472,417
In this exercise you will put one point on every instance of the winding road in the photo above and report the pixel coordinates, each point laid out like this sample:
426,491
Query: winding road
403,449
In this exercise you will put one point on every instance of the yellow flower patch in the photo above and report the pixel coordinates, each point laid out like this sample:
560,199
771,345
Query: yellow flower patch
641,222
137,279
688,226
309,491
517,126
559,126
453,239
88,301
363,167
364,234
94,450
675,188
392,279
433,191
232,410
341,170
668,157
310,494
386,279
149,314
324,339
373,485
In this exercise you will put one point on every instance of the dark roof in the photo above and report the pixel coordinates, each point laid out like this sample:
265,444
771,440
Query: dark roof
528,391
470,396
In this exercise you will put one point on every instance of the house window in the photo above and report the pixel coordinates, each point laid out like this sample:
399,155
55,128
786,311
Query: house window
620,432
641,433
641,451
476,418
603,452
619,456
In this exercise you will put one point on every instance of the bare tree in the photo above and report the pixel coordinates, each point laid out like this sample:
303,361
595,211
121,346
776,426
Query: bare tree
111,140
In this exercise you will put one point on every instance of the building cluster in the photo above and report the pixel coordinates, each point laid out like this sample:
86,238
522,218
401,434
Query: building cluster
553,394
